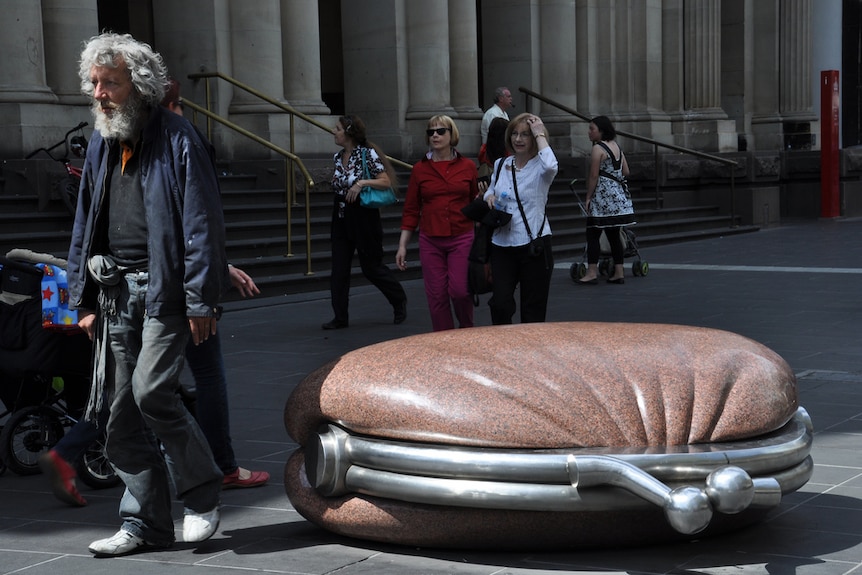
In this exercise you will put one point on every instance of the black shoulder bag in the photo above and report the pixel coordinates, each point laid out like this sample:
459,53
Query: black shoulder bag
479,279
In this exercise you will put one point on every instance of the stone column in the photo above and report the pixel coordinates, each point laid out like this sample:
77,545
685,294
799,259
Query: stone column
707,128
193,36
620,51
510,44
557,46
256,53
463,58
428,74
636,68
301,41
22,64
672,56
795,105
644,33
594,54
703,58
737,57
795,57
375,72
765,119
66,23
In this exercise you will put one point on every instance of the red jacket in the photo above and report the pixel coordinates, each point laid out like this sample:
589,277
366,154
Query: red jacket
435,195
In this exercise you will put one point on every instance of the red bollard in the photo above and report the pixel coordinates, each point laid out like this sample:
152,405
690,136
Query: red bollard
830,205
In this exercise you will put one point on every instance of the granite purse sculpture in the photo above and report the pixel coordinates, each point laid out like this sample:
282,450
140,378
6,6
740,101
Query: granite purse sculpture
372,197
670,433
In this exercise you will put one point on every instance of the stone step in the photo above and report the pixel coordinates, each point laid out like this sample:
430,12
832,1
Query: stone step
256,218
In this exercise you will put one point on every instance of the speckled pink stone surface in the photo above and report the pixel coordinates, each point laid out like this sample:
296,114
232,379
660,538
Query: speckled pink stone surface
551,385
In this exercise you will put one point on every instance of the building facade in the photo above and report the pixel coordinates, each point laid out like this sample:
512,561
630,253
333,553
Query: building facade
714,75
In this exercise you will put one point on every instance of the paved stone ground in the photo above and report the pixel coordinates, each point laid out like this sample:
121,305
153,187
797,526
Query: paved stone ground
795,288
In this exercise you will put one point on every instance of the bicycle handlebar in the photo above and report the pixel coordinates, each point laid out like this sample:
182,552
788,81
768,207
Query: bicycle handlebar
78,127
65,140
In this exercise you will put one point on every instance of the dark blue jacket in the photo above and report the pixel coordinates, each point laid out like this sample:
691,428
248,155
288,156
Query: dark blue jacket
185,223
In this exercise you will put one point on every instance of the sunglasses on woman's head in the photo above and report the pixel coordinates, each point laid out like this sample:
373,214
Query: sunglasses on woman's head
440,131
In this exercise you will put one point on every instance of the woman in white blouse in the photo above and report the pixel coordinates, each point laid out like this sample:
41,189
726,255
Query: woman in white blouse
521,250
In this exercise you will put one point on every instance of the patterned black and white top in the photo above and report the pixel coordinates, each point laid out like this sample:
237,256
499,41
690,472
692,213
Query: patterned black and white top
610,204
343,178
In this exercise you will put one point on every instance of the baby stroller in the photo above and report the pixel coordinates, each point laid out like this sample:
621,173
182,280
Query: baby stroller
44,368
640,267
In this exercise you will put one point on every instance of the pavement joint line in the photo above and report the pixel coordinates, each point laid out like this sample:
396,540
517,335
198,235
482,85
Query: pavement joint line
706,267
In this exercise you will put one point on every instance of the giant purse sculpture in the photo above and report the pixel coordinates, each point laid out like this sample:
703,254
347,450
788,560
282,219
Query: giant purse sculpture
547,436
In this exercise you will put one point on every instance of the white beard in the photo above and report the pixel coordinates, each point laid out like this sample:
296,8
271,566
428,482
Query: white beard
123,123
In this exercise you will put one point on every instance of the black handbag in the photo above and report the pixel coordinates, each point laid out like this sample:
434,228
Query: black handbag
479,280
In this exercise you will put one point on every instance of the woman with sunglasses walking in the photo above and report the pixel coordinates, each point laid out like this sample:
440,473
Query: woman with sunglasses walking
440,185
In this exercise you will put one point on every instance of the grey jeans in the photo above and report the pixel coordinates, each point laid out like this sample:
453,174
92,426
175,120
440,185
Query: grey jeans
147,411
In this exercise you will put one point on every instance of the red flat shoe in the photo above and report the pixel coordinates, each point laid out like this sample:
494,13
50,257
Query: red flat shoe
244,478
62,477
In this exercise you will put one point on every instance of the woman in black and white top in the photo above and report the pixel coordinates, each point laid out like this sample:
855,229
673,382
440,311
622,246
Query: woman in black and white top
356,229
521,250
609,206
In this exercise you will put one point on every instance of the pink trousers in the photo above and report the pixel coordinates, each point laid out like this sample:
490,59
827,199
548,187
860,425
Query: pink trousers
444,268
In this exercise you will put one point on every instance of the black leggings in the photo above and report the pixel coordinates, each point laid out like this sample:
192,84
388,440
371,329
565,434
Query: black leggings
613,234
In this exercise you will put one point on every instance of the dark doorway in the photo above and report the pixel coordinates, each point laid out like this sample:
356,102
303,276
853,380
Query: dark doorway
331,57
133,17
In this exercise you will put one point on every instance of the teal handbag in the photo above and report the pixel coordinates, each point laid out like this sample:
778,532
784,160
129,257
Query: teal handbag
372,197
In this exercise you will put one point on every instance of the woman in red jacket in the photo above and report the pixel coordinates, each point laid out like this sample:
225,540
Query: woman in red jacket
440,185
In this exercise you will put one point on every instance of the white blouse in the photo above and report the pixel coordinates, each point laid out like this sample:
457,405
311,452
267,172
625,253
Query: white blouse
534,180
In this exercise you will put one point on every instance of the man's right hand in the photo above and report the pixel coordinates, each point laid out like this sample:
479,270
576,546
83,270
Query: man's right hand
87,321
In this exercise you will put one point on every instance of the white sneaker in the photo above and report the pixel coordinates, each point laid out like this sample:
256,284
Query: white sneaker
199,526
120,543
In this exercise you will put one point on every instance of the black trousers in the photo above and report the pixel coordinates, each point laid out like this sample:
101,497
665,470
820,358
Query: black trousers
359,232
594,236
511,267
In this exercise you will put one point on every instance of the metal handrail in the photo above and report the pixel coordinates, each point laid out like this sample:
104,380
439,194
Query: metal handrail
290,159
655,143
280,105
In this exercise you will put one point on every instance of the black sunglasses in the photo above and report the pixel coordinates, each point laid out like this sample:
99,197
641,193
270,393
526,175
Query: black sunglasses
440,131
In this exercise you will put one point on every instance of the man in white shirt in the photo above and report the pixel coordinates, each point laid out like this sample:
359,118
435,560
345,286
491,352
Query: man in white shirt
502,102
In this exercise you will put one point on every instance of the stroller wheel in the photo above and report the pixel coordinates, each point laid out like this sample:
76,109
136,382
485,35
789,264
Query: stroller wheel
27,434
577,271
94,469
642,268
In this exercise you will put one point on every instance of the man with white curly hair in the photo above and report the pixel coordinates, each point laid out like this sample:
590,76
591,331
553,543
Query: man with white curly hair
147,268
